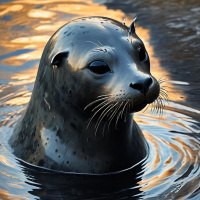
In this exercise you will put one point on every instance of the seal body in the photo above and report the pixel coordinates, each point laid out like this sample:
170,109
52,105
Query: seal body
93,75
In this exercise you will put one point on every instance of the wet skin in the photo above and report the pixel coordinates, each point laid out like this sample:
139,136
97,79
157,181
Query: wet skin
93,75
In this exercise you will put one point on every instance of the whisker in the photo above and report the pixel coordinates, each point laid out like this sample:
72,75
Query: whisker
118,115
153,108
95,44
152,105
96,50
162,76
113,114
163,89
95,101
102,116
164,95
164,92
104,112
164,98
156,106
146,108
104,102
110,112
162,81
100,43
124,108
96,113
108,95
164,86
161,106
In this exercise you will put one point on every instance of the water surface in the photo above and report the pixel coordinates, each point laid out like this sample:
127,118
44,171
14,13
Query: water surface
170,31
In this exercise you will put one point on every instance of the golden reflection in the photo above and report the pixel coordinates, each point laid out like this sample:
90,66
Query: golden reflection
22,96
5,161
140,119
31,39
18,101
169,160
13,8
40,13
7,196
32,42
39,2
15,185
89,9
187,156
49,27
156,160
21,59
182,125
191,153
25,77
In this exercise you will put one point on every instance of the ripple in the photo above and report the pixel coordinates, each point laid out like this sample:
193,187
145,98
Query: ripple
174,158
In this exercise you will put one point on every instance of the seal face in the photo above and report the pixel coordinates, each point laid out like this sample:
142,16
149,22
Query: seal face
93,75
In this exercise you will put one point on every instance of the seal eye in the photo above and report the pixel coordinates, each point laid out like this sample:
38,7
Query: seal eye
143,57
99,67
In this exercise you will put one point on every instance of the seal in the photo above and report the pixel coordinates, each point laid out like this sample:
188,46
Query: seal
93,75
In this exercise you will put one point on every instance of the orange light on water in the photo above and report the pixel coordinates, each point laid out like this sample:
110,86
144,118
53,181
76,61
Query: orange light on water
41,14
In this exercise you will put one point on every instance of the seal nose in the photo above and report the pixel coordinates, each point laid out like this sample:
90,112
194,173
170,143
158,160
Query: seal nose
142,86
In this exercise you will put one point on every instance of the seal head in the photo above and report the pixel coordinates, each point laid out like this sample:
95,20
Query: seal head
93,75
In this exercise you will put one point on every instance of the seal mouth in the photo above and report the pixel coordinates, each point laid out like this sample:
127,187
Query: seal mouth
138,108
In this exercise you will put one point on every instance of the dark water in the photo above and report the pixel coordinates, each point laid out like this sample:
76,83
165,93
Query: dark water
171,32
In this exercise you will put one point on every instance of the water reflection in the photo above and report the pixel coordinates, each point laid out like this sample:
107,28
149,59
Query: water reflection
172,169
74,186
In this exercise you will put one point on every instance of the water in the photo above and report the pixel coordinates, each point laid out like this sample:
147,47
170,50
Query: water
171,170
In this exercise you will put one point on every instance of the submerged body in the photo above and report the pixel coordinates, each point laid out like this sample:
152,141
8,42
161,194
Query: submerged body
93,75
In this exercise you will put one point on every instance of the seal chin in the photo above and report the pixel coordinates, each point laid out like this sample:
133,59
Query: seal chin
138,108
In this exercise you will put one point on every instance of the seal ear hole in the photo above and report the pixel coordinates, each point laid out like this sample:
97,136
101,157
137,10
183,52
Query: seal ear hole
59,57
143,57
99,67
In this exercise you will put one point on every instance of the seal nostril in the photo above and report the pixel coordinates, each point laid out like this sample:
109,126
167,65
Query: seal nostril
137,86
143,86
148,82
